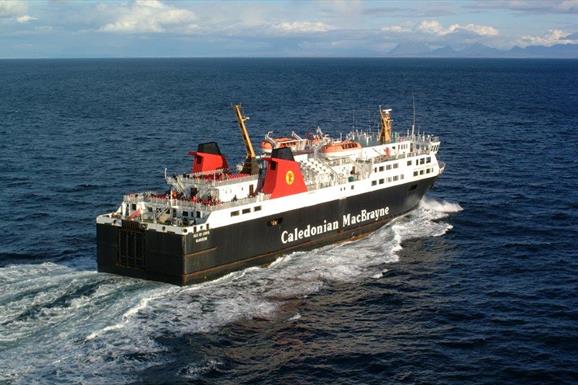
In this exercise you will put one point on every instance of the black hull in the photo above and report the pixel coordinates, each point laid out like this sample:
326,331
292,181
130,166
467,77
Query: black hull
193,258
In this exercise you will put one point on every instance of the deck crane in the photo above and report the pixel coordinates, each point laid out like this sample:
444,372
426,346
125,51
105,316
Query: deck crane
250,166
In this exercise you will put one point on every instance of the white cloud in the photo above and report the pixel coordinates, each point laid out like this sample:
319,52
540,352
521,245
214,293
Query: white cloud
145,16
15,10
552,37
530,6
396,28
302,27
25,19
434,27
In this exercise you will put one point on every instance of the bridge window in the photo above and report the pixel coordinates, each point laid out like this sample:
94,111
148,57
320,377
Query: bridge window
257,208
373,182
409,162
415,173
234,213
245,211
381,168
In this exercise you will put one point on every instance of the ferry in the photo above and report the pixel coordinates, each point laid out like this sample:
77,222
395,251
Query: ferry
299,193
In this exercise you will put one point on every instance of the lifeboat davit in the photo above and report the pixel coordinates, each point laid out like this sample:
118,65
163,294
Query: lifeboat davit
341,149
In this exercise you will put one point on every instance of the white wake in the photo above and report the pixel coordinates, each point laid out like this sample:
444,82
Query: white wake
93,326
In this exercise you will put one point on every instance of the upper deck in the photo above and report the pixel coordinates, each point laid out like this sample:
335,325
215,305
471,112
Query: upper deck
361,156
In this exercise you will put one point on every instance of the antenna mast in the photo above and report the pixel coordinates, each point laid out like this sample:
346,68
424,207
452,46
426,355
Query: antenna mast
413,124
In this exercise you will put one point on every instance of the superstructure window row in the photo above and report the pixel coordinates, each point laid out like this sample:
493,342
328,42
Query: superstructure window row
394,178
386,167
424,171
245,211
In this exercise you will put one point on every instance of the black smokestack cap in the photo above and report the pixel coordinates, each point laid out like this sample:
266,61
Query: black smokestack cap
282,153
209,148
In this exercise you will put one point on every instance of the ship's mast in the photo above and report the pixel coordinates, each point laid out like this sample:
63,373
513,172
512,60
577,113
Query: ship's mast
385,133
250,166
413,123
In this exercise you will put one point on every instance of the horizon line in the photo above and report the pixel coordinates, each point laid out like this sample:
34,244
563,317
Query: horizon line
287,57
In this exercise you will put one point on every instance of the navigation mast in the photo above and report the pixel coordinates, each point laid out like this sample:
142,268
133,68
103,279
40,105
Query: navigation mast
413,123
385,133
250,166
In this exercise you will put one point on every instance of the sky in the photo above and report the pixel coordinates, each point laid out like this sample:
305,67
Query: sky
290,28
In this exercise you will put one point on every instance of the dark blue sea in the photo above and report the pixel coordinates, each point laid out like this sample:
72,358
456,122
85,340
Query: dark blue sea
479,285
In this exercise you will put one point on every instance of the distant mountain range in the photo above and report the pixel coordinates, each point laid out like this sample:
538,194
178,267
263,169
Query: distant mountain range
560,51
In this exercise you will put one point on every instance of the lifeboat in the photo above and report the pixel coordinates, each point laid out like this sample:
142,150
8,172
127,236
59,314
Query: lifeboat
341,149
268,144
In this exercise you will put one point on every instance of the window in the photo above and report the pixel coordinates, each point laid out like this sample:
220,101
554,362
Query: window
389,179
257,208
409,162
133,206
395,165
185,213
395,177
381,181
415,173
421,161
245,211
381,168
420,172
352,187
388,167
427,170
373,182
198,214
401,176
428,159
234,213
